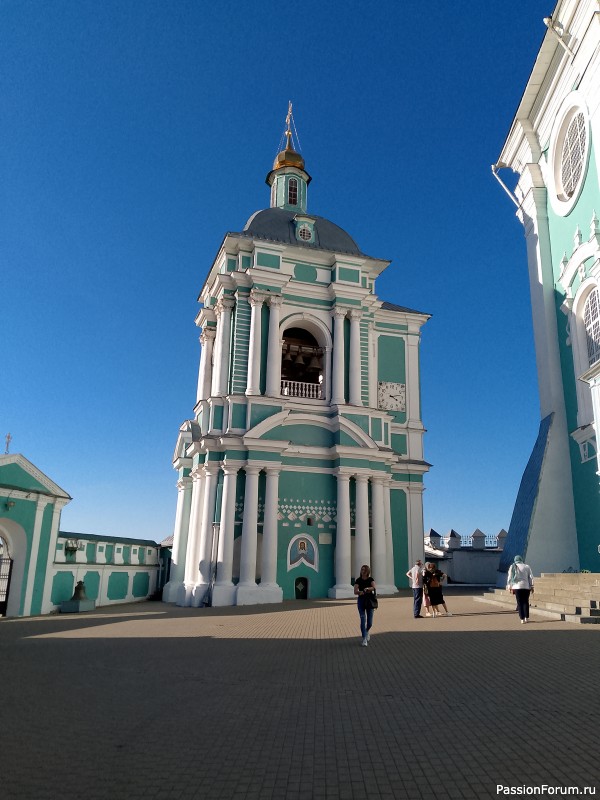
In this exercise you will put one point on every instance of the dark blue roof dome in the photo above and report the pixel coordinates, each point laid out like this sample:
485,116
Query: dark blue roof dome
277,225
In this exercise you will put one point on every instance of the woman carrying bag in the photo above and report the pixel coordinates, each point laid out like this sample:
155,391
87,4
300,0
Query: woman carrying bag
366,592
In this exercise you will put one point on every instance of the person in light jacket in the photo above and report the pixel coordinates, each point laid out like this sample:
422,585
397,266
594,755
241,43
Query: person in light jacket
520,583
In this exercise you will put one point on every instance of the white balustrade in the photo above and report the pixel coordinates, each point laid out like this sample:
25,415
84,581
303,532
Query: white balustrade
306,391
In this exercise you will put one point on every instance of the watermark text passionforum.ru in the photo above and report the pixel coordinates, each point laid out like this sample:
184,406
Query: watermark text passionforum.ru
545,789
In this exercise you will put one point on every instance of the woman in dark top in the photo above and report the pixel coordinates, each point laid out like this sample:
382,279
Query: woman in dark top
364,588
432,584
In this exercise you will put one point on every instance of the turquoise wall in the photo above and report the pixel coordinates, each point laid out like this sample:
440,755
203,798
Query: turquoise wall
585,481
398,506
62,587
314,494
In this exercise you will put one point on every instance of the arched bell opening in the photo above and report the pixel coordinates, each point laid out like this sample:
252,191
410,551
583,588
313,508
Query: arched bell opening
302,365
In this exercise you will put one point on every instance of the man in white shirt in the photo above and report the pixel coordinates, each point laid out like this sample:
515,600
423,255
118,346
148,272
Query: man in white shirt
415,575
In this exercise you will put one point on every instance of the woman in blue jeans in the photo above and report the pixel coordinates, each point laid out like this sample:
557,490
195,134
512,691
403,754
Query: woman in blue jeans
363,587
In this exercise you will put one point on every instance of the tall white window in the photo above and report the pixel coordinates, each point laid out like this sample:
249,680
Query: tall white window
293,192
591,320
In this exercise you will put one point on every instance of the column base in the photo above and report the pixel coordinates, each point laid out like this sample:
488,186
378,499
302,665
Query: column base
183,597
198,595
224,594
341,592
170,591
386,589
251,594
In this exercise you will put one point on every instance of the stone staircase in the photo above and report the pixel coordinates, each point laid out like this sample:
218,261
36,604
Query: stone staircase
567,596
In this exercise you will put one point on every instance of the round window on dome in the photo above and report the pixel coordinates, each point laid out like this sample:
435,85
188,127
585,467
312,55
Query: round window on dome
304,233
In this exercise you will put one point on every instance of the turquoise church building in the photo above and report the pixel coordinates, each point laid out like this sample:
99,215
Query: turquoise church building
553,146
303,459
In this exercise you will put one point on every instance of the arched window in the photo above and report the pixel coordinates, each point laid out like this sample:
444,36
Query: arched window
591,321
293,192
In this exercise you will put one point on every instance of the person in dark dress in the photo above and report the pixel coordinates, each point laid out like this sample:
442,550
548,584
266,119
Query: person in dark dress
432,585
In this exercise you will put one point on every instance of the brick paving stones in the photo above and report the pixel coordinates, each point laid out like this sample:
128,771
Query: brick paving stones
281,702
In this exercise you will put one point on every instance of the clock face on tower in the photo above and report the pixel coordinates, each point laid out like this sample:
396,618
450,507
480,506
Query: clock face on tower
391,396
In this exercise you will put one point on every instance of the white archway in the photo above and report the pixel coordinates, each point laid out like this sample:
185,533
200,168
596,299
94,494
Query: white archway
16,542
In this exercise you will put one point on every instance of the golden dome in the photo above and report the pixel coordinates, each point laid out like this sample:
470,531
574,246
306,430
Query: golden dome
288,157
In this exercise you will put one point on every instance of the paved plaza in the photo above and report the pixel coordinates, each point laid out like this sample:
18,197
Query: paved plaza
260,703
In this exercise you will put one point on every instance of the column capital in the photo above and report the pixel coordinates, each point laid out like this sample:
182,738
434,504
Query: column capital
342,475
211,467
256,297
207,334
231,467
197,473
252,469
361,478
355,313
184,483
338,311
224,304
275,300
377,478
272,469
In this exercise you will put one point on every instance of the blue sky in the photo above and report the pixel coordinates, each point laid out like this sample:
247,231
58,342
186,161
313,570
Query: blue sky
135,133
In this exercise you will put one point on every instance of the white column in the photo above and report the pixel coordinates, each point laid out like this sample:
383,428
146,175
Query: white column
414,501
246,590
362,550
221,369
224,589
343,587
337,382
41,504
180,537
268,573
211,473
378,552
389,540
274,349
254,350
218,347
183,595
326,386
355,367
207,340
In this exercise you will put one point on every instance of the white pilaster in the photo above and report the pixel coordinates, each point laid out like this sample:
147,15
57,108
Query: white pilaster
355,371
47,604
337,382
41,504
343,587
413,393
224,590
207,340
270,591
389,540
274,348
256,300
180,538
211,472
362,554
247,588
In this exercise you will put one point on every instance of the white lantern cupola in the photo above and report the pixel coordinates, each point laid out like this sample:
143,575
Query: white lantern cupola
288,179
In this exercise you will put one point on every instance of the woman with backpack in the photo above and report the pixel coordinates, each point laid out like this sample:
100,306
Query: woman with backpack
432,585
